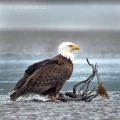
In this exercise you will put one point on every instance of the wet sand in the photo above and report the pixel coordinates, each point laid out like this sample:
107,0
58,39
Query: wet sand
98,109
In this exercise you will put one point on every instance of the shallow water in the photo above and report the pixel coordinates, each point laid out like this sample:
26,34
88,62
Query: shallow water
98,109
12,69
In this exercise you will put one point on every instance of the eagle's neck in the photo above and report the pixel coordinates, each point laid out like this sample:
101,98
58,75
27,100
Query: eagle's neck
67,54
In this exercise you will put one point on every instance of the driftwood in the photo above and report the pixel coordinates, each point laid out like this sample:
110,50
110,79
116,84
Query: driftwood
85,95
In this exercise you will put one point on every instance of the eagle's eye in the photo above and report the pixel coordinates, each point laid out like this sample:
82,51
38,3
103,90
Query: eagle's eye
70,45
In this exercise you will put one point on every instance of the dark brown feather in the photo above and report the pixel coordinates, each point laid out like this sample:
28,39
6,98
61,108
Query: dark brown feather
31,69
46,77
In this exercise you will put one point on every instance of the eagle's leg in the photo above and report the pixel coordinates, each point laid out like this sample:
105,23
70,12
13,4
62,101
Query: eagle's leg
53,98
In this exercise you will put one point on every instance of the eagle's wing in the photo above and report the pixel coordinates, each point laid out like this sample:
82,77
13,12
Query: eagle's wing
30,70
35,66
52,75
40,77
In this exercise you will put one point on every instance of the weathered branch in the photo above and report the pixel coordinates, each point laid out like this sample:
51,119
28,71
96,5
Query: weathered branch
87,80
85,95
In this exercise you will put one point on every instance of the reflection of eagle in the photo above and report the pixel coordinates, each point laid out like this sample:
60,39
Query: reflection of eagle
47,77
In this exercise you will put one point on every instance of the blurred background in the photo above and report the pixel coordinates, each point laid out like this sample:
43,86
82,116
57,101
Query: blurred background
32,31
28,27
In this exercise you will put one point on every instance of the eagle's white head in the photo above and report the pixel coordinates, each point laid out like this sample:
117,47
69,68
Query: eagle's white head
66,50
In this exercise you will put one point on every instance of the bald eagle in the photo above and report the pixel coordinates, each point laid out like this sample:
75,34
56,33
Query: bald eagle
48,76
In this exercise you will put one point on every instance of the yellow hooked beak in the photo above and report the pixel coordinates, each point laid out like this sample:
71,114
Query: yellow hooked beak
75,47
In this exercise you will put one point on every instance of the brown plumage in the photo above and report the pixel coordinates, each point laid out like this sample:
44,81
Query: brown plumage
47,77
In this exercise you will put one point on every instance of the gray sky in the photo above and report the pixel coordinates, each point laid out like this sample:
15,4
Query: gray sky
82,16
